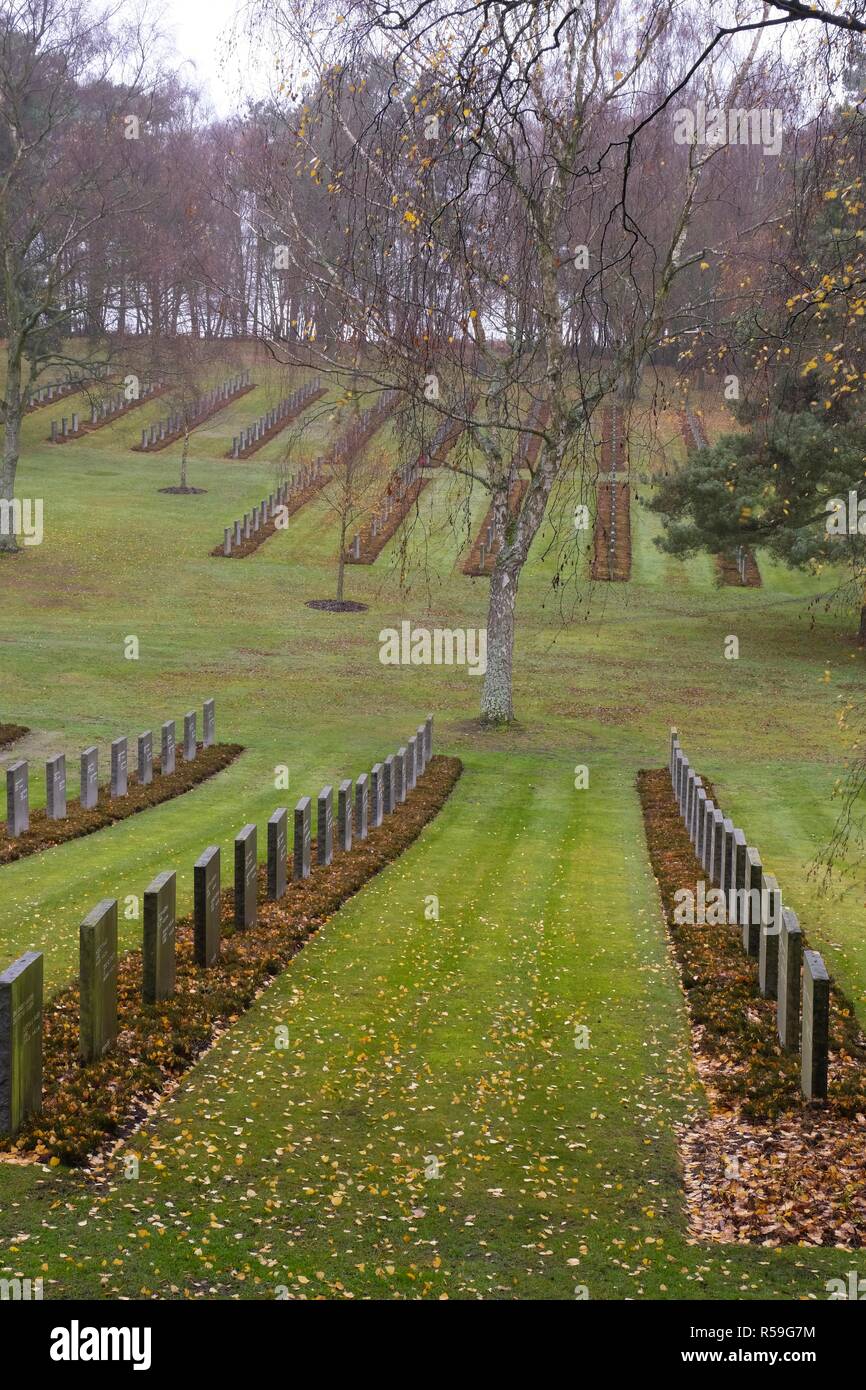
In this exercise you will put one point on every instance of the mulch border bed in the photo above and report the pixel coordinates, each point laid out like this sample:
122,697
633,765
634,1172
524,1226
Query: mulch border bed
45,834
372,546
160,444
799,1175
726,568
277,428
601,567
10,733
87,1107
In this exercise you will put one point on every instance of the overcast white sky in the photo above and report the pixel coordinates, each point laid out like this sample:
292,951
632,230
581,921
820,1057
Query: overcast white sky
199,31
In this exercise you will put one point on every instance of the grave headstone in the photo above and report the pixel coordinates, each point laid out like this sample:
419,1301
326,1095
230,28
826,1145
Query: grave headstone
325,827
20,1042
208,723
301,865
411,766
428,738
399,777
145,758
768,942
698,819
160,922
727,868
89,792
751,918
168,749
816,1027
717,841
97,964
119,767
189,736
344,815
376,784
788,999
17,798
55,787
421,750
277,852
737,912
361,805
246,877
707,838
206,909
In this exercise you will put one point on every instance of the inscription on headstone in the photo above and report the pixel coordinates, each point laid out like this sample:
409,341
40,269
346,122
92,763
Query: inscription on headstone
20,1041
816,1026
55,787
344,815
158,956
208,723
189,736
97,962
303,837
278,848
325,827
788,1002
145,758
361,793
168,750
17,798
246,879
206,913
119,767
89,790
376,781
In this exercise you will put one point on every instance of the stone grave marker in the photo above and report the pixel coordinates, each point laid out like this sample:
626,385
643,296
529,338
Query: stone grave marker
816,1026
428,738
728,866
717,834
17,798
388,776
768,943
119,767
739,880
751,919
160,922
189,736
206,910
325,827
411,765
145,758
698,819
20,1041
361,794
208,723
246,877
89,792
421,750
376,779
55,787
168,748
97,965
344,815
788,1000
707,838
399,778
301,866
278,848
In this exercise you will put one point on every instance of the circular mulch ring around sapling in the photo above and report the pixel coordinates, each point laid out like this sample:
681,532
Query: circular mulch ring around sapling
182,491
334,605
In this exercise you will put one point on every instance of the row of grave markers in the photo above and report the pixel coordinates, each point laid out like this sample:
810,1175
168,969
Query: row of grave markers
402,482
18,782
204,406
56,390
285,410
271,509
102,413
770,931
364,806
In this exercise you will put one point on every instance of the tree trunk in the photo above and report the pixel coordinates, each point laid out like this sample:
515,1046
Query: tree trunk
183,458
11,447
496,699
341,563
861,636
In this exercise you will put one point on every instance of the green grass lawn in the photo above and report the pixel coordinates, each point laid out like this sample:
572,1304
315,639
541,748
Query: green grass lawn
411,1040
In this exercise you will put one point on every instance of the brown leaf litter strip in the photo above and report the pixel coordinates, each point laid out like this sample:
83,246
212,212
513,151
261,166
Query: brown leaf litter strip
764,1165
